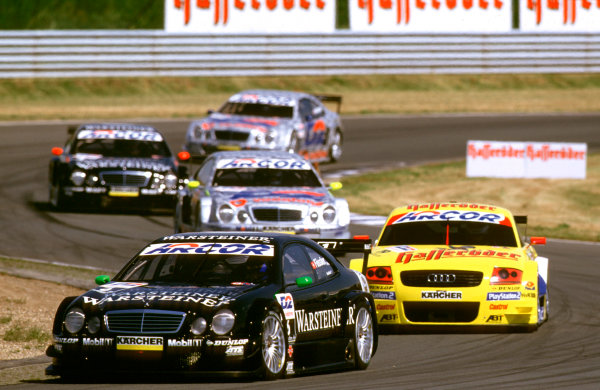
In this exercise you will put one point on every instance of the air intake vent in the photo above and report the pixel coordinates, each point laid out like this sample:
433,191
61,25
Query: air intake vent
144,321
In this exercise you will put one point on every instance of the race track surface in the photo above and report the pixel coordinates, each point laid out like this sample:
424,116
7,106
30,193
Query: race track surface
563,353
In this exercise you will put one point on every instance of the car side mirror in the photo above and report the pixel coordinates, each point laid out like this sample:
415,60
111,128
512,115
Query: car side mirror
193,184
537,240
304,281
102,279
336,185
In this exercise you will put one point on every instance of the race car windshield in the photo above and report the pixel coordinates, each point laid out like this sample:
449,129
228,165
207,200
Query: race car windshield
199,270
265,177
122,148
453,232
257,109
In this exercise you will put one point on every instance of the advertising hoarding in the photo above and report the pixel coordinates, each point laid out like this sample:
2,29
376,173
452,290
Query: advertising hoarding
559,15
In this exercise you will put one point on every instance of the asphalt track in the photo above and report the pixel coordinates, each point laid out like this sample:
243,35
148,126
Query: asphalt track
563,353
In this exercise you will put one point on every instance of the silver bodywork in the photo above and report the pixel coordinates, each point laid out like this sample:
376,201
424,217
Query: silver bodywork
270,120
251,191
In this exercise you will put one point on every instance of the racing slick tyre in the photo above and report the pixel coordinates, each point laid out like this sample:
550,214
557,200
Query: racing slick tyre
363,337
273,347
335,149
294,144
57,197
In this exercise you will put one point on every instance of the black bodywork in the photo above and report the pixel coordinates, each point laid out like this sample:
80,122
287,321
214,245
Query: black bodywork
114,164
317,316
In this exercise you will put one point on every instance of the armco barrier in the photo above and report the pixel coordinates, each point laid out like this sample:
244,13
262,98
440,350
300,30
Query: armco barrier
110,53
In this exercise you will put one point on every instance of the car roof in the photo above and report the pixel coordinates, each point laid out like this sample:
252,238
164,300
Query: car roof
277,239
115,126
459,206
240,154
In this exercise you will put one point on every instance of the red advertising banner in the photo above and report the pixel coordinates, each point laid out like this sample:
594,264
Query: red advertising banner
560,15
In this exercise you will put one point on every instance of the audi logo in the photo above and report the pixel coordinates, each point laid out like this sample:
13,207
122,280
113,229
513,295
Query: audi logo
441,278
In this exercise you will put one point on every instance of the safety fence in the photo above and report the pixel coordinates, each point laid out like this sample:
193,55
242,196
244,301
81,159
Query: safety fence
152,53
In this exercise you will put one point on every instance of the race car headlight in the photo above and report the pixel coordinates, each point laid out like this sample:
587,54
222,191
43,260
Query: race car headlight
223,321
314,216
242,216
77,177
92,180
74,320
93,325
329,214
380,275
170,181
198,326
271,136
226,213
502,275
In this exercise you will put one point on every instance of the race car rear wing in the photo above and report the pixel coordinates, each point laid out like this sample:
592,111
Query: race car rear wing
337,99
339,247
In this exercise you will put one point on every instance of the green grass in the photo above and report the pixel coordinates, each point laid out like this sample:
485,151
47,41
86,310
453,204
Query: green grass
21,333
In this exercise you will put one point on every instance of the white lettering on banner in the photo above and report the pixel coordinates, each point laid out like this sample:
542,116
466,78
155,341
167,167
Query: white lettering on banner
431,15
551,160
192,248
249,16
563,15
318,320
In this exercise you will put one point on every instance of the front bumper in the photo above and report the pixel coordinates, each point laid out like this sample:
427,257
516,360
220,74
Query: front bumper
130,197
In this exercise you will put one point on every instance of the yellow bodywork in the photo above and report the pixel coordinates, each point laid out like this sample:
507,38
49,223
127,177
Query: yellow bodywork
417,284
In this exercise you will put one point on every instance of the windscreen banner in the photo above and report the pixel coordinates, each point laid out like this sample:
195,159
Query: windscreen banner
559,15
552,160
249,16
431,16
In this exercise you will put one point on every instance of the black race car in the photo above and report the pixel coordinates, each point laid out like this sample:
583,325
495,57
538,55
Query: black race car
106,162
270,304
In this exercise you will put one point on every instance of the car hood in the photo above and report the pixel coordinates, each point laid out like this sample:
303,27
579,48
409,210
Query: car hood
88,162
409,257
218,121
247,196
126,295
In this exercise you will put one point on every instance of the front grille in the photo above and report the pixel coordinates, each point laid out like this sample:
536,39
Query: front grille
228,135
441,311
276,215
426,278
144,321
125,178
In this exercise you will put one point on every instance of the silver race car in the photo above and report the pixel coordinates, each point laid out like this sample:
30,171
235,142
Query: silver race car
261,191
271,120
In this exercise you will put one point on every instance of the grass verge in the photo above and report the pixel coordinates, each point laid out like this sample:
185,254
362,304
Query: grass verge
558,208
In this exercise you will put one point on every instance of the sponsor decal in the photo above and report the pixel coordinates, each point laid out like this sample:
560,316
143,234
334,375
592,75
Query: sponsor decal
101,342
498,306
317,263
237,350
494,318
139,343
213,238
172,343
227,343
214,248
528,295
263,99
272,163
351,315
441,294
450,215
105,288
530,286
384,295
388,318
66,340
390,306
287,304
437,206
381,287
290,351
205,299
289,369
318,320
438,254
504,296
312,198
120,134
505,288
123,163
398,249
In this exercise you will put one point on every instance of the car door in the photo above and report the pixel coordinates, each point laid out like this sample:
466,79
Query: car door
318,316
313,116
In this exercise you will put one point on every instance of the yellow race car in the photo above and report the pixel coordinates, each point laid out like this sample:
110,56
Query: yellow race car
456,264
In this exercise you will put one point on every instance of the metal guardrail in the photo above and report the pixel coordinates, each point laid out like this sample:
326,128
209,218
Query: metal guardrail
121,53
